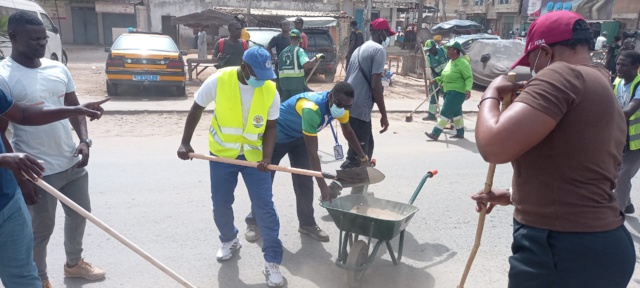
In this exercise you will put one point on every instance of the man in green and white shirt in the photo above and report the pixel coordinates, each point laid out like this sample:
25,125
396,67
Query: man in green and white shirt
292,62
436,60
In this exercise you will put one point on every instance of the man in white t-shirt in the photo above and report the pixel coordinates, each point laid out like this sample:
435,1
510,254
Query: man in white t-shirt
33,80
244,97
601,41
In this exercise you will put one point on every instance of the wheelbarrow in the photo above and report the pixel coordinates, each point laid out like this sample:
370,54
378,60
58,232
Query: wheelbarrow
374,219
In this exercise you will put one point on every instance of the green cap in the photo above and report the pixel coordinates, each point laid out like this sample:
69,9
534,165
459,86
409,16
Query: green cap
294,33
429,44
454,45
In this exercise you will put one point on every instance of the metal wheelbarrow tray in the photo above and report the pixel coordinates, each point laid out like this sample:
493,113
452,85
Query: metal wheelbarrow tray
373,218
377,218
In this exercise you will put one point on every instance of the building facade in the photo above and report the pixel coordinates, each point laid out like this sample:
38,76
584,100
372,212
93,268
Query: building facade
93,22
500,16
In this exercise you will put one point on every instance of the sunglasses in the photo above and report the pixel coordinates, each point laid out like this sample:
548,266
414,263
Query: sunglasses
340,105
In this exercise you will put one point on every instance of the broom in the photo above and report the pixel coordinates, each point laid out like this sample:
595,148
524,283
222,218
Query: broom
506,101
427,83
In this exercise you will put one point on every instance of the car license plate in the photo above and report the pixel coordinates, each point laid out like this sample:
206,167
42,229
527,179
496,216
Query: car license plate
146,78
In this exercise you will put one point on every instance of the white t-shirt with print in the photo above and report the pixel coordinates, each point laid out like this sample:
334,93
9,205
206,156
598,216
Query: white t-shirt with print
207,94
44,86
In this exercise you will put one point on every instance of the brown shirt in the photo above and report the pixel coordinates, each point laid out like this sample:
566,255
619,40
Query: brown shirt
565,182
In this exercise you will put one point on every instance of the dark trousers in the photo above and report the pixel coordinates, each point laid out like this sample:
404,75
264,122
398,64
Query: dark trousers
365,136
544,258
302,185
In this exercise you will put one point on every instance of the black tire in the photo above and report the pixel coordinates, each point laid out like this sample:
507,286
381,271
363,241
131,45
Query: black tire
65,59
181,91
112,89
329,77
358,256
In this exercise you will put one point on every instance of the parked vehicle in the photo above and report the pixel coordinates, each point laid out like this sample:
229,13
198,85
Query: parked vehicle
261,36
466,40
54,46
492,58
320,41
145,59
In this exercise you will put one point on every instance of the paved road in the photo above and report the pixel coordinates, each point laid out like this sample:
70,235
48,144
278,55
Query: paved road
141,189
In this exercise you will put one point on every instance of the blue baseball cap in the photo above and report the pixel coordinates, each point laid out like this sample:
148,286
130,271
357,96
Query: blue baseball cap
260,61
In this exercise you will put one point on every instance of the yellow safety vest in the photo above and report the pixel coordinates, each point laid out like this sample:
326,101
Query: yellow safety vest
634,122
227,136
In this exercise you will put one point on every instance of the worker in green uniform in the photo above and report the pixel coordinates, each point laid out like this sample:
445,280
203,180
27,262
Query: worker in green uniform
456,80
292,62
436,60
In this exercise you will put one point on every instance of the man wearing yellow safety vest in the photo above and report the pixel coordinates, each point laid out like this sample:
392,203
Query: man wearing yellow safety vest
243,127
625,87
292,62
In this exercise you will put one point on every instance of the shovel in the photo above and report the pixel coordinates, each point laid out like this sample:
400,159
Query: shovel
347,177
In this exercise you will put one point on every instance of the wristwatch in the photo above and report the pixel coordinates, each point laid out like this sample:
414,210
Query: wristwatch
88,141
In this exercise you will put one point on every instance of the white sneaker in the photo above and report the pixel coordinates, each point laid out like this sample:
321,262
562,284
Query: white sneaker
272,272
227,249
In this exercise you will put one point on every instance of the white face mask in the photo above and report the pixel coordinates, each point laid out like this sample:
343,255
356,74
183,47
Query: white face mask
385,43
533,71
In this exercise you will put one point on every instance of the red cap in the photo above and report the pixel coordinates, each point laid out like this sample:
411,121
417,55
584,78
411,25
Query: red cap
382,24
552,27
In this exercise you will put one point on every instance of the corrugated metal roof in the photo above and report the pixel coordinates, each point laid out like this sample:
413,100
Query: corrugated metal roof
272,12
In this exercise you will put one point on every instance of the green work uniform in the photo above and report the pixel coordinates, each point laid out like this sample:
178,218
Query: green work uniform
456,79
437,64
291,72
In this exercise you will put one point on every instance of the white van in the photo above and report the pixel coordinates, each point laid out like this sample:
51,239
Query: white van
54,47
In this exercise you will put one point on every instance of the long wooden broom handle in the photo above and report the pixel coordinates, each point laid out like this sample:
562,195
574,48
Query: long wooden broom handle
55,193
488,184
425,100
255,165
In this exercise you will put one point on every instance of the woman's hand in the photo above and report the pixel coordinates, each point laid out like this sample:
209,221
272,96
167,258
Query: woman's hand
494,197
504,86
467,95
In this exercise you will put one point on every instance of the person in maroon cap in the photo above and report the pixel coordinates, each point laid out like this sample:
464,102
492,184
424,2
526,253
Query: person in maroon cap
568,230
364,72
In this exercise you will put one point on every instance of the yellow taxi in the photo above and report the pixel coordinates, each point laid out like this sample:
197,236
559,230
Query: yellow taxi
145,60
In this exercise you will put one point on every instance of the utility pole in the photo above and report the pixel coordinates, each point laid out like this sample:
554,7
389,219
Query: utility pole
444,10
367,19
420,15
55,2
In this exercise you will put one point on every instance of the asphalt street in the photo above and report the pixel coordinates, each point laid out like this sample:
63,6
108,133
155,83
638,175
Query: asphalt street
141,189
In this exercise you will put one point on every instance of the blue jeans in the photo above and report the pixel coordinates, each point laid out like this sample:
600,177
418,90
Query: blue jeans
17,269
224,178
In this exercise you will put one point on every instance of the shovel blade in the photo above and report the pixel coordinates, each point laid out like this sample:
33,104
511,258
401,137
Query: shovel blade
359,176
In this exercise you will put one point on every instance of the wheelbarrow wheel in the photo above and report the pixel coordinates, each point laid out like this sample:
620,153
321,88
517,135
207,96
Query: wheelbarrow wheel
357,257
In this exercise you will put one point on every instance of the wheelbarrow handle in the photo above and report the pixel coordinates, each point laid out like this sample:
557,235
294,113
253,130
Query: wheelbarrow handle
424,179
